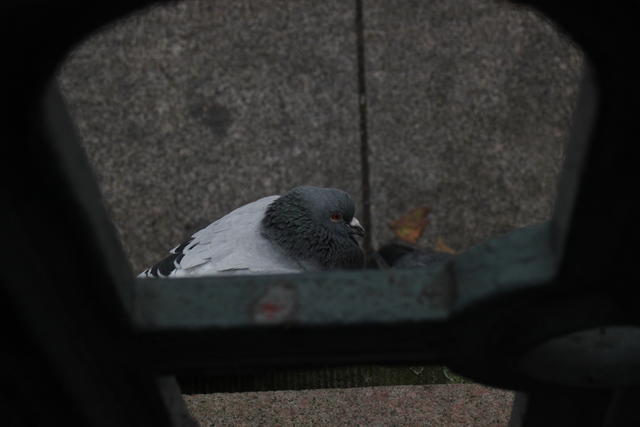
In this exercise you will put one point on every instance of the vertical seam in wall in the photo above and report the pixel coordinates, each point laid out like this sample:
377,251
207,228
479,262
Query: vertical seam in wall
364,142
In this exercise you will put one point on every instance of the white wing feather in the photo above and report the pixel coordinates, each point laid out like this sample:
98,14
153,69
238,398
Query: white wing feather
234,245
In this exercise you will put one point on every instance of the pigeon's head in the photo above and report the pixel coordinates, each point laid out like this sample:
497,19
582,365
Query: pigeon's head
316,225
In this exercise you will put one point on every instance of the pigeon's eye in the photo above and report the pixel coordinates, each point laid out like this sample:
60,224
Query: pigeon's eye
336,217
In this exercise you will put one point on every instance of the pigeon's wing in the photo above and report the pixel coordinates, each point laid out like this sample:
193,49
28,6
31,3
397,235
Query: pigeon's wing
231,245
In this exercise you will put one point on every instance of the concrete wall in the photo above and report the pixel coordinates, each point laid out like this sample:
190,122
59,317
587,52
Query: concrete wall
190,110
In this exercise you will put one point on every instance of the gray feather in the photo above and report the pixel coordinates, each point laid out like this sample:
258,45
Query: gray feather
231,245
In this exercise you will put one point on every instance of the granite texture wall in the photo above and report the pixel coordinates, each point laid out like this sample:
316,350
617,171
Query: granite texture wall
190,110
470,105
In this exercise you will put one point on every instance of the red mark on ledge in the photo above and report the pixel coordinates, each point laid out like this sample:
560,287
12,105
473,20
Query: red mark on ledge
275,306
270,310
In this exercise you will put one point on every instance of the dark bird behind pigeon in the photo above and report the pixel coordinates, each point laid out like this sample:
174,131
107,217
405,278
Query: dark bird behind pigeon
399,255
307,229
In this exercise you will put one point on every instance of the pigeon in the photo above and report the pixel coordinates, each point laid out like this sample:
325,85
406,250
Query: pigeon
306,229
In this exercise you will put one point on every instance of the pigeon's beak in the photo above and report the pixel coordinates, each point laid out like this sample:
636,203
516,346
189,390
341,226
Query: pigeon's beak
355,227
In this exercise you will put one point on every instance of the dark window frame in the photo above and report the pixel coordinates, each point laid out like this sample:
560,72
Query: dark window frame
102,338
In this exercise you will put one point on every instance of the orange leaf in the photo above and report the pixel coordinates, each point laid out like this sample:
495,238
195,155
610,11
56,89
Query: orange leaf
411,226
441,246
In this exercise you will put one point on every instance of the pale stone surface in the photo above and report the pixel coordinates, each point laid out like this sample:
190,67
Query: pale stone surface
190,110
434,405
469,109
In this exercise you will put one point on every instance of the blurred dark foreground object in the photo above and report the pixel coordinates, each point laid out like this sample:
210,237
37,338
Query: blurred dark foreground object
549,310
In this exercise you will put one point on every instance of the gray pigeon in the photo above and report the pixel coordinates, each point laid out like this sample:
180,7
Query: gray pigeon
307,229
